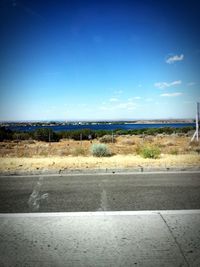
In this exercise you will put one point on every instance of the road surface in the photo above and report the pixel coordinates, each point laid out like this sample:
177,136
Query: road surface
105,192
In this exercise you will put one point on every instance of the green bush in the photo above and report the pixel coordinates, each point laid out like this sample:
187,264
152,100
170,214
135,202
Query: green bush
100,133
5,134
174,151
77,135
150,131
22,136
151,152
46,135
100,150
84,134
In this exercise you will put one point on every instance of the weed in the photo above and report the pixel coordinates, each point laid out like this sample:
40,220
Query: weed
79,151
174,151
194,143
197,150
152,152
107,139
128,142
169,143
100,150
43,153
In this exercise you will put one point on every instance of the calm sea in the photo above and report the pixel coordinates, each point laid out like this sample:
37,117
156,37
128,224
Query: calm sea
101,127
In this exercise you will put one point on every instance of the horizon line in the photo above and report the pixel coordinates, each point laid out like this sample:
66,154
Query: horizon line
100,120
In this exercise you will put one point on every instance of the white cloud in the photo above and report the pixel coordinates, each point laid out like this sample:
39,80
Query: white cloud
172,94
163,85
172,59
113,99
137,97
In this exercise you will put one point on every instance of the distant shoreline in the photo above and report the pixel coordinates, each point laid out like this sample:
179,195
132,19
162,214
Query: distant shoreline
65,123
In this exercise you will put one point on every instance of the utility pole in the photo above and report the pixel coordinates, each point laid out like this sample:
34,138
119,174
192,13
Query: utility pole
196,134
81,138
49,137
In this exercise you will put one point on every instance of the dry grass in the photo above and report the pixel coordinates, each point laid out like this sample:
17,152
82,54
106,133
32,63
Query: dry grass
81,162
175,151
124,145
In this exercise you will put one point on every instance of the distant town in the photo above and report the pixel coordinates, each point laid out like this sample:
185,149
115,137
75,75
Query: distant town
63,123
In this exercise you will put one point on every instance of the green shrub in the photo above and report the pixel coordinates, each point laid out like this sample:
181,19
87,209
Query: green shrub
77,135
5,134
174,151
21,136
100,150
151,131
46,134
100,133
151,152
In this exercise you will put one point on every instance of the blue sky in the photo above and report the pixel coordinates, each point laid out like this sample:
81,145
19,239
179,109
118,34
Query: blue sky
99,60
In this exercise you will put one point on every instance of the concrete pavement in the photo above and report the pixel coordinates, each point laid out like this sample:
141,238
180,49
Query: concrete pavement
132,238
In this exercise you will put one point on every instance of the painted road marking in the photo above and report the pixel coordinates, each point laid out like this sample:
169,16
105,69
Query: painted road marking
100,213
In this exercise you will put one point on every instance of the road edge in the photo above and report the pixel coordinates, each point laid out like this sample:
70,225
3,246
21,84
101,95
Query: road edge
102,171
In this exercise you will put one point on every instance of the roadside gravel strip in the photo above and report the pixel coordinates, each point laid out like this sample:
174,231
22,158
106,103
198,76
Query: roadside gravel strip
102,171
132,238
98,171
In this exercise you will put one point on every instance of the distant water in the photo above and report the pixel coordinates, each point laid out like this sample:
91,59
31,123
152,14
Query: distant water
100,127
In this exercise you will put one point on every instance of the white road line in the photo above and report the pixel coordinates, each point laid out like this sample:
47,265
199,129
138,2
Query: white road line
36,196
99,213
103,201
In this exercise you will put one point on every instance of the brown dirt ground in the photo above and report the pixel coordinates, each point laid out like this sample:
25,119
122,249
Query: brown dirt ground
68,154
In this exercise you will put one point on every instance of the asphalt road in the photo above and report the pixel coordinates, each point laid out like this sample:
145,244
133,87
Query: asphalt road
116,192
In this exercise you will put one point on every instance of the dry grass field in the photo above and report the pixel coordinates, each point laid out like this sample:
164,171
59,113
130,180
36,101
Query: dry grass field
70,154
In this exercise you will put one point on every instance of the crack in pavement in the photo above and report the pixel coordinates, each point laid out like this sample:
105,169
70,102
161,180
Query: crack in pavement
175,240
